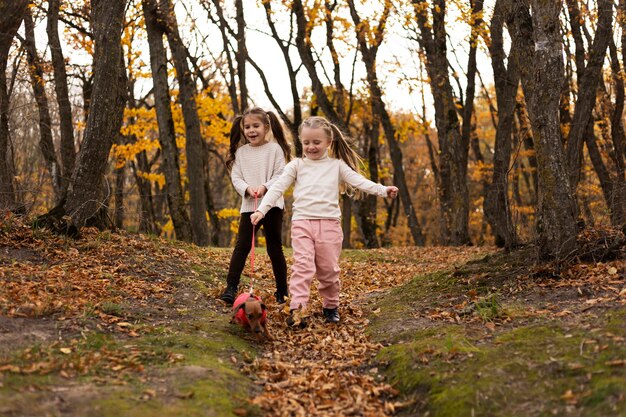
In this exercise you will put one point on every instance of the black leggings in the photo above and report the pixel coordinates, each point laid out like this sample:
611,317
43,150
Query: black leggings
272,228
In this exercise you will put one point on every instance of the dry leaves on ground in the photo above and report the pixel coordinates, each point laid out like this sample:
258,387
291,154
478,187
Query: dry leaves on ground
326,369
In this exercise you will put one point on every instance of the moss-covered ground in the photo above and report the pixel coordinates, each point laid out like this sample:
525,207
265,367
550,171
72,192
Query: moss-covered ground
489,339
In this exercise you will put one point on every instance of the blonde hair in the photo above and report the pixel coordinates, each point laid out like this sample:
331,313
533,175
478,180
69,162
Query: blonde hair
340,144
270,119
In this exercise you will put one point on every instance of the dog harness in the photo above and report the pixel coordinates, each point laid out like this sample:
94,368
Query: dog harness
240,313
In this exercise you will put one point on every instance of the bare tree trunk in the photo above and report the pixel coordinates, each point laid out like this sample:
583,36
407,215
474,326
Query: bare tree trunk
45,121
167,135
147,219
303,43
588,81
118,215
68,149
295,96
542,76
11,15
105,115
618,211
241,55
453,192
496,206
346,220
366,206
368,53
195,173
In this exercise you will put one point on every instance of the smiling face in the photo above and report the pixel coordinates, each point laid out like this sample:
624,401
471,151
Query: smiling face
315,142
255,129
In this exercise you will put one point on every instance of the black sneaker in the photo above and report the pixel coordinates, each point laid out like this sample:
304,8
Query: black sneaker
280,298
228,296
291,322
331,315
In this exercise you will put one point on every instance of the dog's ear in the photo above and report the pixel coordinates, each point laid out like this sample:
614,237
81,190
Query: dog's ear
239,307
263,308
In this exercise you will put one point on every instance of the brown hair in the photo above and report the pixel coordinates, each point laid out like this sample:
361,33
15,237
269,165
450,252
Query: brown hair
237,137
339,143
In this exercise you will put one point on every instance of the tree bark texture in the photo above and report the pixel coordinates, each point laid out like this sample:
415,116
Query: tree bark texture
11,15
618,210
68,148
541,66
368,53
165,121
366,206
303,44
295,95
45,121
242,54
193,147
105,114
453,150
496,206
588,81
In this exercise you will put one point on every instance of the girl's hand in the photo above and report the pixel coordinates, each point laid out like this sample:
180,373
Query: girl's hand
261,190
256,217
392,191
250,191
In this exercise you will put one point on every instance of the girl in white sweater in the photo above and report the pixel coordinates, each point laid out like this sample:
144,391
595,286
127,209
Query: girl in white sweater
255,164
316,234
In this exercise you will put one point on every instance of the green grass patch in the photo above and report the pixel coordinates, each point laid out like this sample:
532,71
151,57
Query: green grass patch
541,367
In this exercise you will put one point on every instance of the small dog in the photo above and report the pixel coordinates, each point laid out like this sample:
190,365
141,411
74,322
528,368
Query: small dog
250,312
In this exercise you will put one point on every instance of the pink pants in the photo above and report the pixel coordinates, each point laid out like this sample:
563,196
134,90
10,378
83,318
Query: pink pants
316,249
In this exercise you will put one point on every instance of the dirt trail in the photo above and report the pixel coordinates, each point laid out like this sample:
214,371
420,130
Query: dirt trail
328,369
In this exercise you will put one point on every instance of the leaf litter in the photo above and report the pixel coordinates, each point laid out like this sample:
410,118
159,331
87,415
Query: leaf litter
327,369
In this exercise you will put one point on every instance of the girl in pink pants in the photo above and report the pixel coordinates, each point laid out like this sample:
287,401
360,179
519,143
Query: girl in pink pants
316,233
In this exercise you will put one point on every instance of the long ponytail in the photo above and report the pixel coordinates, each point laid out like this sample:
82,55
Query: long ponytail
279,134
235,141
341,149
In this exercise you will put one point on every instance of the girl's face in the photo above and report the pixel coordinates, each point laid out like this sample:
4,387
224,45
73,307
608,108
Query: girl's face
255,129
315,142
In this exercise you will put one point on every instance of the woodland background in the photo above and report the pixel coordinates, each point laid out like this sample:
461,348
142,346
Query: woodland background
500,121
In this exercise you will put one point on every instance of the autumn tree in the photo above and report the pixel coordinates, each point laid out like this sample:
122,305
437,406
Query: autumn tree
84,197
506,78
11,16
368,54
67,148
45,120
453,147
187,97
537,31
167,136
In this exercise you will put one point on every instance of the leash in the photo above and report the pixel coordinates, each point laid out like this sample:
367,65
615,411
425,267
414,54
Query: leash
256,198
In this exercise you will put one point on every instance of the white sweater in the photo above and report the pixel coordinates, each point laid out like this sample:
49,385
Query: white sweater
316,191
254,166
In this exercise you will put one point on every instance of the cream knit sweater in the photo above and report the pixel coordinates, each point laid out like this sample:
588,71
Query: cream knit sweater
316,191
254,166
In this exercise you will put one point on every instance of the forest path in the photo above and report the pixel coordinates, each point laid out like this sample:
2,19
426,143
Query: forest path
122,324
327,369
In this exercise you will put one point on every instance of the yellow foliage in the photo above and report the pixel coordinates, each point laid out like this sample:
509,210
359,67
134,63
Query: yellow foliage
168,230
228,212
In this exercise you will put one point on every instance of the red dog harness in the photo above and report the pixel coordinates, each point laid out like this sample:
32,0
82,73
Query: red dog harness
240,315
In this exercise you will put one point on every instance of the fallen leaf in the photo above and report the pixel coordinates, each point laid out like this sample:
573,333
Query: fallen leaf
612,270
65,350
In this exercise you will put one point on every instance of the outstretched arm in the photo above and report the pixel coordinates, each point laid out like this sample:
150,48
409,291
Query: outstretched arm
353,178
